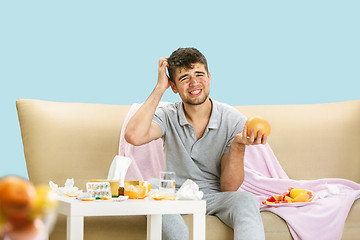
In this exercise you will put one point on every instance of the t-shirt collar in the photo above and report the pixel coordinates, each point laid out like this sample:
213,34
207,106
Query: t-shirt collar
213,122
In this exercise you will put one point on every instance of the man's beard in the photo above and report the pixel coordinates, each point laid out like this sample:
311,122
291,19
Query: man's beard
196,101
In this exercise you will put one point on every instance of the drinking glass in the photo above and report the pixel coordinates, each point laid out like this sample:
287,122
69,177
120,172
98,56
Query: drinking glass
167,182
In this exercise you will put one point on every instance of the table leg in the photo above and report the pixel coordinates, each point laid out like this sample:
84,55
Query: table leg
154,227
75,228
197,227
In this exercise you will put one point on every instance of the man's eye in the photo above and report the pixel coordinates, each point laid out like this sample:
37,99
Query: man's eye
200,75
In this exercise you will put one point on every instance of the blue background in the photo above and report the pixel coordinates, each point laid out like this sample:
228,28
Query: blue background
259,53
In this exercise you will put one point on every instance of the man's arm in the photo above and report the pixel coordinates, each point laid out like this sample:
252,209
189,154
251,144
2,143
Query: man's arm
140,128
232,163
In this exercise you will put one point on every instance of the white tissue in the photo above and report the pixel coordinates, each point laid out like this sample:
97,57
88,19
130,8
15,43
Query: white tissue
189,191
68,189
332,189
118,169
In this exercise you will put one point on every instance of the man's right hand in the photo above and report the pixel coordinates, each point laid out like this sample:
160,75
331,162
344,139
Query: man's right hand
140,128
163,79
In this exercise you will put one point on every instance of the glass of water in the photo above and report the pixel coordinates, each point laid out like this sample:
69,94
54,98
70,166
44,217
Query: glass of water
167,182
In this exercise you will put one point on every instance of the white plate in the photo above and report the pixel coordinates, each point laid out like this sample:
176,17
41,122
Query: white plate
297,204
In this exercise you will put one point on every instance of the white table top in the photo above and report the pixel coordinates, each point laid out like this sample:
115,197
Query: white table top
74,207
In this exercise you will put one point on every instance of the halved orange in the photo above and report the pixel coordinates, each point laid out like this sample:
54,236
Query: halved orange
140,191
146,184
131,191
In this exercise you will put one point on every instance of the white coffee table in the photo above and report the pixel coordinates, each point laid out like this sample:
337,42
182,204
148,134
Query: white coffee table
76,210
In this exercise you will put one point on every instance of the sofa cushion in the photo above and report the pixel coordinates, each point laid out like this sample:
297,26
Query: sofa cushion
315,140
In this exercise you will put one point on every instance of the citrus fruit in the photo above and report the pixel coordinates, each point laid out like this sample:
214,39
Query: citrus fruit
258,123
288,199
146,184
301,195
310,195
87,198
105,197
16,199
131,191
74,194
291,196
140,191
44,201
296,191
158,196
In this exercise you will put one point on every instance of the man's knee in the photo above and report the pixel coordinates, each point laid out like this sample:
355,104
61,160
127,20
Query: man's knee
244,203
244,197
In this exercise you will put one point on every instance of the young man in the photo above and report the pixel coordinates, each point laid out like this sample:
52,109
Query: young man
204,140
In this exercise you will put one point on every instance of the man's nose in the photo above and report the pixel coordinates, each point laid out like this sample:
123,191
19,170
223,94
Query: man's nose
193,80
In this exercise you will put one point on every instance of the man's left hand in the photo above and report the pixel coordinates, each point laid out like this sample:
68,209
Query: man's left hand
243,138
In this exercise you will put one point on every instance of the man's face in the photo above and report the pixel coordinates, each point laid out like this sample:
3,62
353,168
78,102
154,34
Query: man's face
192,84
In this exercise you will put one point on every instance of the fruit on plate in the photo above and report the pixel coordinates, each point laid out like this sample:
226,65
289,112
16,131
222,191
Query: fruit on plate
293,195
258,124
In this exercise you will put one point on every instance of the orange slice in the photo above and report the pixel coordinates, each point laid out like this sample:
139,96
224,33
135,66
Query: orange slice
105,197
158,196
311,195
72,194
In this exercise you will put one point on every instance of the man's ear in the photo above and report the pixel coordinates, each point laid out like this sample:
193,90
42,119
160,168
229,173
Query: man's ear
173,87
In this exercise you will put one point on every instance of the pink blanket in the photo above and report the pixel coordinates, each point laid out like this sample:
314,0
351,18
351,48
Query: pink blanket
323,218
148,159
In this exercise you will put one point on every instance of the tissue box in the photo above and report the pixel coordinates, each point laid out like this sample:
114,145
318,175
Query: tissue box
131,182
114,186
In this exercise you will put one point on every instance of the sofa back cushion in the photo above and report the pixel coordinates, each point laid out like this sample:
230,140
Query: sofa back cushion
315,140
69,140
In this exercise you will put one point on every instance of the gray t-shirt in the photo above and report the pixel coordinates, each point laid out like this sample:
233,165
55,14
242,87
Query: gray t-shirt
198,160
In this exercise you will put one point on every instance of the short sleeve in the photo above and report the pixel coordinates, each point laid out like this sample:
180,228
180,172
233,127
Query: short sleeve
240,120
160,119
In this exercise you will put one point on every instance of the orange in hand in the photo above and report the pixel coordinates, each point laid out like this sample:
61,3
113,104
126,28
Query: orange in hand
258,124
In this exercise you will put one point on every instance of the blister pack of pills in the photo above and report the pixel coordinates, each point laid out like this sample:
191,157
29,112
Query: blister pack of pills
99,189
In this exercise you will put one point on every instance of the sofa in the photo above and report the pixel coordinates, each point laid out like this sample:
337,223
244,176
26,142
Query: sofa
79,140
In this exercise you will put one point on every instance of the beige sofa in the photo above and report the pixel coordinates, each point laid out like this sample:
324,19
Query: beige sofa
79,140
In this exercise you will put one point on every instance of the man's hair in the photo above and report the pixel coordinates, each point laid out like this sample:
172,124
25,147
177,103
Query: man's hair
185,58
